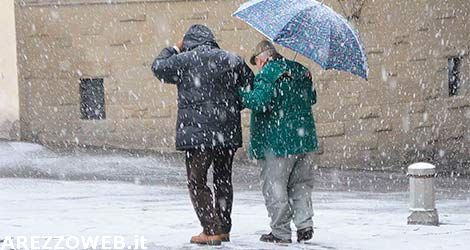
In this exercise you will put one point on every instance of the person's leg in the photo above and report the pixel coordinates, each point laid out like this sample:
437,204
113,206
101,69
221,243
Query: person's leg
275,174
223,159
197,165
300,193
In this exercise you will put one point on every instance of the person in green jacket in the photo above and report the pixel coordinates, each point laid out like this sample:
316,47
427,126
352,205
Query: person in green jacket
282,132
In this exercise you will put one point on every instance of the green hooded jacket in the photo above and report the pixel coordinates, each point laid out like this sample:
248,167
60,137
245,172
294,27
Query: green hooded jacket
281,101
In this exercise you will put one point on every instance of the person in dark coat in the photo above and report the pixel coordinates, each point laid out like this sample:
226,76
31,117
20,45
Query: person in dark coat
208,125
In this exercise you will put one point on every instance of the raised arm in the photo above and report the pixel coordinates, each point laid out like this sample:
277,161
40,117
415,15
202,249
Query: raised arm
259,98
167,66
247,77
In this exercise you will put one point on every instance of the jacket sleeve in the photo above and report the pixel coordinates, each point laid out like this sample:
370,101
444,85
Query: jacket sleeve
167,65
247,77
245,80
260,97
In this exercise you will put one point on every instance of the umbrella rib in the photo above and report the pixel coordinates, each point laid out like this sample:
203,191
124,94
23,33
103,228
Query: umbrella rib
357,39
245,7
275,39
254,27
293,18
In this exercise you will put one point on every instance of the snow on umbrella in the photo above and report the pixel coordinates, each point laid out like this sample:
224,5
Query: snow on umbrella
309,28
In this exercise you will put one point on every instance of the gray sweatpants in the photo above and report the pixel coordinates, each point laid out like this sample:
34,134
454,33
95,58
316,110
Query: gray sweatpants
287,188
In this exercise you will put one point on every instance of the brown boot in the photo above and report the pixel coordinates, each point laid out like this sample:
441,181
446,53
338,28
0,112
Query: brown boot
225,237
204,239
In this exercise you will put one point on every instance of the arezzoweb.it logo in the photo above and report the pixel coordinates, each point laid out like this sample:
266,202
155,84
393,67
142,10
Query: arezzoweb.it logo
72,243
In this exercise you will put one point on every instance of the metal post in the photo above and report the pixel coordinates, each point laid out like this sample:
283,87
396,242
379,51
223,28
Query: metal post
422,198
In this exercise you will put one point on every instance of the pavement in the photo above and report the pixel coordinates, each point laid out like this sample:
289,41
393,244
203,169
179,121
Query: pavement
164,216
89,192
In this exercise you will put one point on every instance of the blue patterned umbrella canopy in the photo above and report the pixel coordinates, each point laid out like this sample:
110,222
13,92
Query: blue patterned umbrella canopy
309,28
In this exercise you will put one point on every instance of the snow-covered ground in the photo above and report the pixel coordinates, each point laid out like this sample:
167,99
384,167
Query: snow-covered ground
27,160
164,216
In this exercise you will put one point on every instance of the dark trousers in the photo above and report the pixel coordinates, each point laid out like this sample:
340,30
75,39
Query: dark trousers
214,215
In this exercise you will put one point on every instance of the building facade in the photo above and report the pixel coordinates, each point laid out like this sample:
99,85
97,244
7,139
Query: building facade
85,79
9,101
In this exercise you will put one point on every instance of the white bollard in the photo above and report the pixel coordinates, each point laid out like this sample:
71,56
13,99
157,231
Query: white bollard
422,198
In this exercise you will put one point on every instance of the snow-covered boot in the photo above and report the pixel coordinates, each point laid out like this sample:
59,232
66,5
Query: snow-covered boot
273,239
305,234
225,237
204,239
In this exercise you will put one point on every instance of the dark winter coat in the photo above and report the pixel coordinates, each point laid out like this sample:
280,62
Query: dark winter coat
281,101
208,80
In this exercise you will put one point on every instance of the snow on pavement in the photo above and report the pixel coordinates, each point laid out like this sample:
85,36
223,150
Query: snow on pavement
164,216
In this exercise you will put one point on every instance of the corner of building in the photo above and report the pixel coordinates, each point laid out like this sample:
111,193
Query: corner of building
9,98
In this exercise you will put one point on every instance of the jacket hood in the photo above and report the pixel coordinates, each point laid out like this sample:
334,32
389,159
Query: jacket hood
198,35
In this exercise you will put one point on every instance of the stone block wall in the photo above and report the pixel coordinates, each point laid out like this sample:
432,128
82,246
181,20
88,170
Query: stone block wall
61,43
402,114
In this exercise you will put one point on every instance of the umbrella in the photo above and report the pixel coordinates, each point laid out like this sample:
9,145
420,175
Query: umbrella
309,28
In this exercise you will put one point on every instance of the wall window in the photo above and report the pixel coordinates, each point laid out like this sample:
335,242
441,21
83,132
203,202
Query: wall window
454,75
92,99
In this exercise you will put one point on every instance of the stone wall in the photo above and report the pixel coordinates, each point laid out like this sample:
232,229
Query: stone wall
9,103
402,114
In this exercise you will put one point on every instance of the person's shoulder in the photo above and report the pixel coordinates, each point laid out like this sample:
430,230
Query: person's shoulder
297,65
300,70
275,66
233,59
272,71
233,55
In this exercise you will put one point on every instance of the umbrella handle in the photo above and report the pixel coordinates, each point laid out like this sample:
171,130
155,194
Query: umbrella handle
295,56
